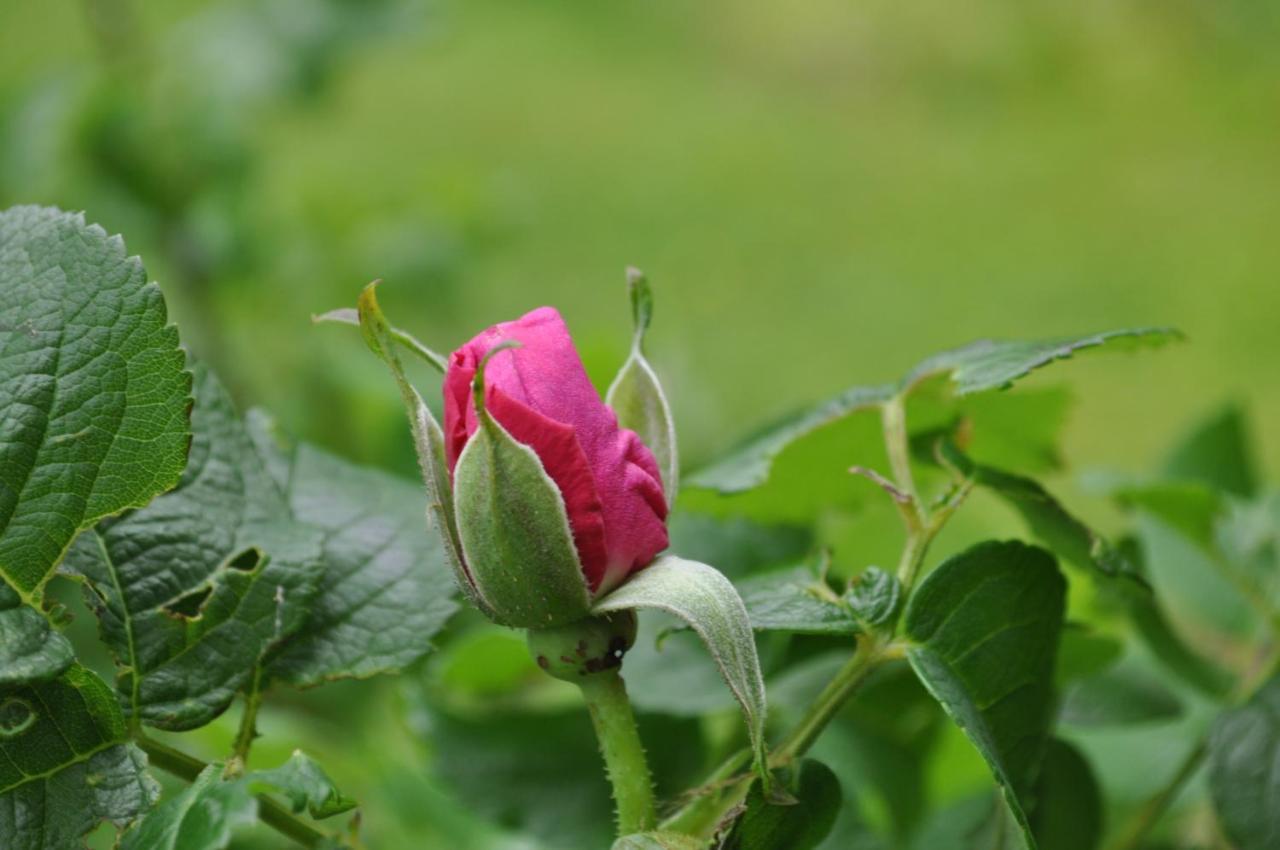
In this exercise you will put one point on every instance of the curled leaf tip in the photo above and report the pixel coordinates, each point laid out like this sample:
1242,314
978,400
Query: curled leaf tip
373,324
477,383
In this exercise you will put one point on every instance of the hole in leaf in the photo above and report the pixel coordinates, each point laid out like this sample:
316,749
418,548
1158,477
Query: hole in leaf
16,717
247,561
188,607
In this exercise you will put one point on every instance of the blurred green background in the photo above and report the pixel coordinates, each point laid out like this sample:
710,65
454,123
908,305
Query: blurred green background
821,193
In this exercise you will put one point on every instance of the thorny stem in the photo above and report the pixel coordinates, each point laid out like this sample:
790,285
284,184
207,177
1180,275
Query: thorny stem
271,813
624,758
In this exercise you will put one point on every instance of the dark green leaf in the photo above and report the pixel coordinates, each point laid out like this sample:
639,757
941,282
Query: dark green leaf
1120,696
93,396
305,784
803,826
202,817
385,592
1216,453
195,589
795,600
738,545
1244,751
1083,652
30,648
65,766
1068,813
984,629
874,596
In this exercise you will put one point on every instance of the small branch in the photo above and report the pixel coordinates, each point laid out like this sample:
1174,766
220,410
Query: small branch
271,813
248,723
615,725
893,418
1133,833
833,697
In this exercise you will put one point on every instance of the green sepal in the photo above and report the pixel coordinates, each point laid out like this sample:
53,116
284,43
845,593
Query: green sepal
708,602
636,394
514,528
428,441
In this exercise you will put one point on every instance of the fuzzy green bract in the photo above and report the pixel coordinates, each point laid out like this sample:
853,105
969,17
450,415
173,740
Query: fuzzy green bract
984,630
703,598
92,385
636,394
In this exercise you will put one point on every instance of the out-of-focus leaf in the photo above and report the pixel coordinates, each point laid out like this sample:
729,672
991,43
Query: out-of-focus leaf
1119,696
65,764
1244,750
207,814
202,817
1217,453
736,545
703,598
802,826
31,649
94,398
636,394
984,365
1068,808
874,596
1083,652
984,629
385,592
305,784
795,600
195,589
659,841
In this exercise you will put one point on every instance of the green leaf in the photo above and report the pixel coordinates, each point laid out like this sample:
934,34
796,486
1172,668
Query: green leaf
194,590
1068,813
748,466
93,395
202,817
385,592
1120,696
351,316
992,365
636,394
305,784
874,596
1244,749
803,826
207,814
984,628
65,765
984,365
515,532
1216,453
31,649
659,841
795,600
703,598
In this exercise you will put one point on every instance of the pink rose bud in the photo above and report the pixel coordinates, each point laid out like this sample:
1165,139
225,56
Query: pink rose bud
540,394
